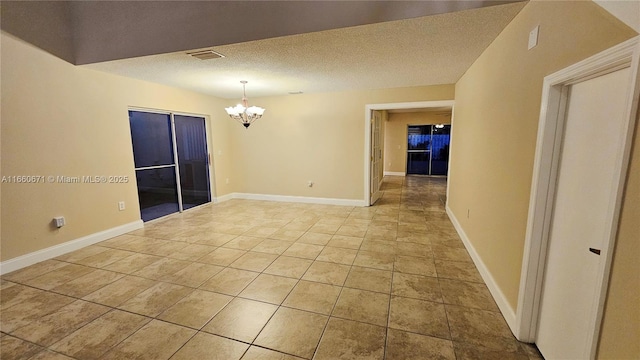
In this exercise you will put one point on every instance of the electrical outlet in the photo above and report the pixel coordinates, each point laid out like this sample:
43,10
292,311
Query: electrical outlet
59,222
121,205
227,181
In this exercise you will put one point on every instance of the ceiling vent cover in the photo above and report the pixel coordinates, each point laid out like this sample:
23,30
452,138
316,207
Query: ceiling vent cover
205,54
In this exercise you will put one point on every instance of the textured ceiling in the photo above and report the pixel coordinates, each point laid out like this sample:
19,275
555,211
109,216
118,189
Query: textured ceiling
421,51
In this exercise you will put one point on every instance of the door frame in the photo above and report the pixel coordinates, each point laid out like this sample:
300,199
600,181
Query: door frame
367,133
545,171
208,142
376,157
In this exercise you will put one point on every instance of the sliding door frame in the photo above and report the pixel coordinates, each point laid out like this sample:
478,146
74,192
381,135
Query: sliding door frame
208,143
406,170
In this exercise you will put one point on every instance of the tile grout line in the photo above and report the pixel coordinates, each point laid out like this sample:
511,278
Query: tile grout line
324,329
298,280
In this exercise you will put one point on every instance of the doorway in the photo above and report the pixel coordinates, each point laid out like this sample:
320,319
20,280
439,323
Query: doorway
580,210
171,162
428,149
368,134
584,139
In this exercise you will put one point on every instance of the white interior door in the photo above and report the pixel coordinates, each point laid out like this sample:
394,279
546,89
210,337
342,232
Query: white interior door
376,155
581,220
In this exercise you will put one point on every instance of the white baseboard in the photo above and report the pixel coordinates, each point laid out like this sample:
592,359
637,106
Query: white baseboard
223,198
289,198
300,199
507,311
69,246
393,173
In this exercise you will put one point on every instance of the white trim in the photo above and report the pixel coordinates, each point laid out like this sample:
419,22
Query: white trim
411,105
164,112
291,199
394,173
66,247
300,199
550,128
507,310
367,132
376,157
450,155
223,198
367,155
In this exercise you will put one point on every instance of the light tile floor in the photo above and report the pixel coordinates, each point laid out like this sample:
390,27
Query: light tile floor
266,280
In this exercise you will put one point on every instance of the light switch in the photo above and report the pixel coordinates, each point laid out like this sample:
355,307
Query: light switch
533,37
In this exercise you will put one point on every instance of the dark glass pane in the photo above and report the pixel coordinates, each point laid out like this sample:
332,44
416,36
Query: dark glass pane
419,137
151,137
193,160
157,192
440,142
418,163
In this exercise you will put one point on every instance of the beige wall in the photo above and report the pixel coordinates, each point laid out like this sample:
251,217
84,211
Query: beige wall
495,134
621,323
58,119
395,136
628,11
317,137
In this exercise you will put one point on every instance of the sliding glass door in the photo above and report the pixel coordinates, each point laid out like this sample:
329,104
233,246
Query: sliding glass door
193,160
171,160
440,139
428,149
155,164
418,149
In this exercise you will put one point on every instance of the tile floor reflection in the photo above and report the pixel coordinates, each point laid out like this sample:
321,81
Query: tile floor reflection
266,280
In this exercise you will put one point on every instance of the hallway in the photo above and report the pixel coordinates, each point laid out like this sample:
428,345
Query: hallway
266,280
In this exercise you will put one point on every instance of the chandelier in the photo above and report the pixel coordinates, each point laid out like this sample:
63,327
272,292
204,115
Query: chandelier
244,113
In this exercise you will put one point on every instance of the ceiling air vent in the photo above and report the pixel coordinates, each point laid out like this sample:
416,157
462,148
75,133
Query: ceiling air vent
205,54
